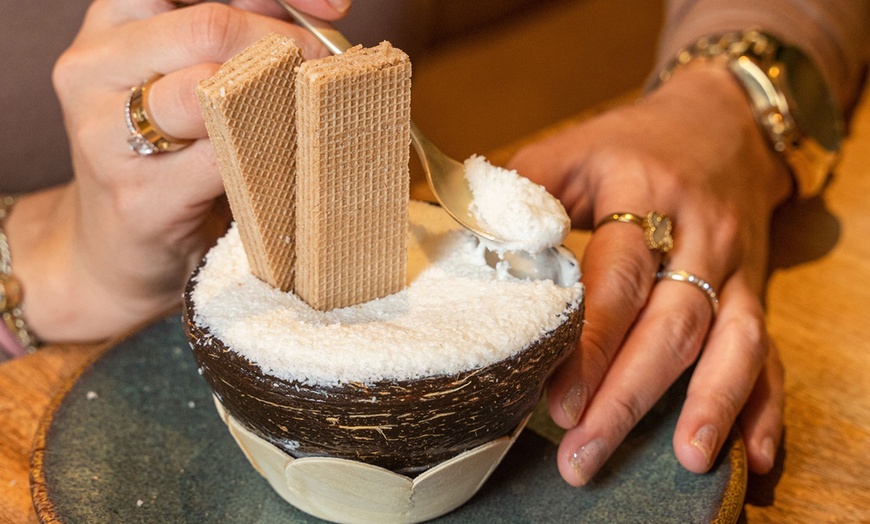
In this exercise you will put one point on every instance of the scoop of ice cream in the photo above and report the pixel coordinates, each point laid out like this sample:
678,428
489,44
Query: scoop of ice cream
519,212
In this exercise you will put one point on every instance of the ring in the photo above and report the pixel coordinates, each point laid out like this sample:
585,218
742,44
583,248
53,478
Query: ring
681,275
145,137
656,228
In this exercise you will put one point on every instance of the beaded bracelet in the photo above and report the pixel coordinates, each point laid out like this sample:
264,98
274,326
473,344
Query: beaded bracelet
10,288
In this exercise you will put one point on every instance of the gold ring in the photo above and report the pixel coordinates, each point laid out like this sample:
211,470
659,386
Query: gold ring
656,228
681,275
145,137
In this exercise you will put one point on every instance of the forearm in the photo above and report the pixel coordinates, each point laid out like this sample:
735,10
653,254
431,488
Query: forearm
834,36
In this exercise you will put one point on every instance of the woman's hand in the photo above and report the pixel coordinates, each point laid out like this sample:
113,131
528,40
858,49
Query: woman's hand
692,151
114,247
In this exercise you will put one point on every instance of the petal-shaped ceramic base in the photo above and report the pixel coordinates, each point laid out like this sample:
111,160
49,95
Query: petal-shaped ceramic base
347,491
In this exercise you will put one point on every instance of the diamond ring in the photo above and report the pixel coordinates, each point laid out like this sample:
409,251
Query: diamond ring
145,137
681,275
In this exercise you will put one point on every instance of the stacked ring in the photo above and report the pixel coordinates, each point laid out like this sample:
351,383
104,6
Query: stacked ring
681,275
656,228
145,137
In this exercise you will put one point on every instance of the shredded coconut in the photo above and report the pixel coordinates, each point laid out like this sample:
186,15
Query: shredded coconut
455,314
521,213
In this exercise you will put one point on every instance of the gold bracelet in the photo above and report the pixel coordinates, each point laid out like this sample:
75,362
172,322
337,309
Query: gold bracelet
10,287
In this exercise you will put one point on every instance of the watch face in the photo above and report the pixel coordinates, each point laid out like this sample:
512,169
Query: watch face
810,101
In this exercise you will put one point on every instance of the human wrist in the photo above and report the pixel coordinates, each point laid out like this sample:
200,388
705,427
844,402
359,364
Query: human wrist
790,99
78,285
707,96
61,300
33,242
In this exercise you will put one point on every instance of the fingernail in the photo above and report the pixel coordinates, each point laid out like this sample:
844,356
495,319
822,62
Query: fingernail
340,5
768,451
706,439
587,460
574,402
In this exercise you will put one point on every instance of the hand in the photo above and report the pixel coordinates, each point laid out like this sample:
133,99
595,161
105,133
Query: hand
114,247
690,150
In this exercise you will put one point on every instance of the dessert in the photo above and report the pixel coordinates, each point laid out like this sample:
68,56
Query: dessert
388,382
517,210
457,358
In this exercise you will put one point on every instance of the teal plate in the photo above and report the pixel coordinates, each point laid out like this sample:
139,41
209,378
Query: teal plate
136,438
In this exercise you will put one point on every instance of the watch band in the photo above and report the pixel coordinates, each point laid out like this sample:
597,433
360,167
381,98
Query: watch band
789,98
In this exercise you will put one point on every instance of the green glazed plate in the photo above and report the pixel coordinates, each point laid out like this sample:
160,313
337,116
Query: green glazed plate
136,438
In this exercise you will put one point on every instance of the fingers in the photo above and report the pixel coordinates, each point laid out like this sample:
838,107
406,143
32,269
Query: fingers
172,103
737,368
619,272
639,338
185,44
323,9
104,14
136,40
157,38
664,341
761,420
618,269
114,12
200,184
130,185
723,379
206,33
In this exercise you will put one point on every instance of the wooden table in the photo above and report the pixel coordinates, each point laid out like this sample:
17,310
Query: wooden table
819,315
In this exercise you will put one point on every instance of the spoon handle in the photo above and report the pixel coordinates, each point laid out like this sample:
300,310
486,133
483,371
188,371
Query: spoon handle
330,37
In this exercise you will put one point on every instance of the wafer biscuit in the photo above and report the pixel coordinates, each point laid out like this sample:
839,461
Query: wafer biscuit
249,111
353,120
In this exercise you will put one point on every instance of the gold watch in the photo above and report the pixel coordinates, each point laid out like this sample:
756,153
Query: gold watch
790,100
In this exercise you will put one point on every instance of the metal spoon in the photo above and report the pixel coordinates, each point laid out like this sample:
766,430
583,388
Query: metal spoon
446,178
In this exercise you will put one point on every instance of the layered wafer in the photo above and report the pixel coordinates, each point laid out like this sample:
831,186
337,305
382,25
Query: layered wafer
249,110
353,122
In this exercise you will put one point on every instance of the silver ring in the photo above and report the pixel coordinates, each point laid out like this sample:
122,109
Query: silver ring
145,137
681,275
